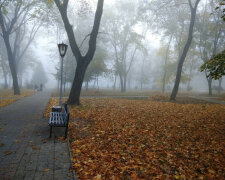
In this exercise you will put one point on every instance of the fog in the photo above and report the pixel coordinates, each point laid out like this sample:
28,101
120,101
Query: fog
139,45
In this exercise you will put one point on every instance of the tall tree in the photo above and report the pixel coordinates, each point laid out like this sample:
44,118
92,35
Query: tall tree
125,41
166,62
13,17
3,63
186,48
211,33
82,60
168,18
97,67
7,27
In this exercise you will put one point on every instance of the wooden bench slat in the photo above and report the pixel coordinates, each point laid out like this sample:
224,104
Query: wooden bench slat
59,119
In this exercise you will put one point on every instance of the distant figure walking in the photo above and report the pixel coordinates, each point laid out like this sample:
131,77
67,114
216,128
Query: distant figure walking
35,87
41,87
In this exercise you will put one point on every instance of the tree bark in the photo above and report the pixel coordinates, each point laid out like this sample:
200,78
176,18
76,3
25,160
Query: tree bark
189,78
12,65
185,50
209,80
11,59
220,85
166,59
114,85
74,98
5,81
97,82
125,84
5,75
82,61
86,85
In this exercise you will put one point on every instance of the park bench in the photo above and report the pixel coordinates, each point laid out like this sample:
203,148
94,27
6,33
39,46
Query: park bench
60,119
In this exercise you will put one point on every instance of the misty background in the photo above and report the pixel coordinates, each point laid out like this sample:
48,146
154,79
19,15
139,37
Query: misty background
138,45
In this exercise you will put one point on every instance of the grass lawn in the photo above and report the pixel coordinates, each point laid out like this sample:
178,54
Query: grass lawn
9,93
5,102
101,92
222,97
7,97
134,139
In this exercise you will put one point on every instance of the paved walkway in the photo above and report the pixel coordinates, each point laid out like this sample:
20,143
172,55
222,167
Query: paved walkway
209,99
26,152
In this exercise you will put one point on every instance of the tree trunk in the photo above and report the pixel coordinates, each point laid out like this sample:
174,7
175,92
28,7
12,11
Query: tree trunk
74,97
220,86
164,82
189,78
125,84
166,59
12,65
82,61
185,51
94,83
121,83
209,80
114,85
97,81
10,83
5,81
21,80
64,87
86,85
58,84
189,85
5,77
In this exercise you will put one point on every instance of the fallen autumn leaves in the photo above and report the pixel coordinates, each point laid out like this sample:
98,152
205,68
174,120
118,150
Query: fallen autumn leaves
127,139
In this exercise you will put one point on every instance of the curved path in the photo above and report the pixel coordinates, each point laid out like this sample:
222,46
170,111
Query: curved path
25,150
209,99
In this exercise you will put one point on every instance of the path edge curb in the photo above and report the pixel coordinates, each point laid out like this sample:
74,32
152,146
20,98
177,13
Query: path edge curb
70,155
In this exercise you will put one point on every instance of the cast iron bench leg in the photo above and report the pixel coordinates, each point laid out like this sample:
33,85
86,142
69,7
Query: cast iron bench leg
66,132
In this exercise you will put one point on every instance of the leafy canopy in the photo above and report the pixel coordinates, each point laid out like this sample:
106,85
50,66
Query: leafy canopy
215,66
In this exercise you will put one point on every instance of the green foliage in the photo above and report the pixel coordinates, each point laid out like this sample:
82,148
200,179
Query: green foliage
215,66
222,8
97,67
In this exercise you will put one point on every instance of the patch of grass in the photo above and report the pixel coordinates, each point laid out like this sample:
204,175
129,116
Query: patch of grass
5,102
101,92
222,97
109,93
9,93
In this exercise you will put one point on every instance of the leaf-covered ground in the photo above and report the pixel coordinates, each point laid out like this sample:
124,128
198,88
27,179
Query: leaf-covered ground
130,139
5,102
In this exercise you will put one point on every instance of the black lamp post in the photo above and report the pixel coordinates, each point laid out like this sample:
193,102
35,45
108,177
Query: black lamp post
62,51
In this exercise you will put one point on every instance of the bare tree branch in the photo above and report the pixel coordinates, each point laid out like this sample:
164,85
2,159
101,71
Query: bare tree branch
87,37
132,60
2,3
69,30
190,4
94,32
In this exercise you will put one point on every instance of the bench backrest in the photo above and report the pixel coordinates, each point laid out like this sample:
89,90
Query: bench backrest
66,112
